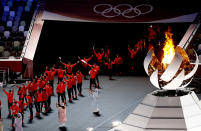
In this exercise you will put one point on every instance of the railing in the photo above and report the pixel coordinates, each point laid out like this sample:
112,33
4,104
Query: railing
29,31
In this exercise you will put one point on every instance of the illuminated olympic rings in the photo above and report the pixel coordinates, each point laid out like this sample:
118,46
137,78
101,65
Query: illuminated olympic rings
106,9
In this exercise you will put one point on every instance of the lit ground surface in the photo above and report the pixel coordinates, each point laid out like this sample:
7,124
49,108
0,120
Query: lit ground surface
117,99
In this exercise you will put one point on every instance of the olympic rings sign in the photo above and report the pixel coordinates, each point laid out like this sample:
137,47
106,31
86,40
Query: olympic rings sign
107,10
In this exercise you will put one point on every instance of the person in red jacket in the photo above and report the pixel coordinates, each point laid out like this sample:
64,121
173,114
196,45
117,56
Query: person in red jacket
60,91
118,64
74,90
44,101
49,92
69,67
84,62
33,88
10,99
99,56
63,87
109,65
24,92
107,54
30,90
41,83
92,73
51,74
19,93
133,52
38,100
15,110
69,88
97,68
60,73
79,82
30,105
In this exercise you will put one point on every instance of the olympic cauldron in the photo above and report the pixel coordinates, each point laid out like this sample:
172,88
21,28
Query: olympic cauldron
175,75
159,110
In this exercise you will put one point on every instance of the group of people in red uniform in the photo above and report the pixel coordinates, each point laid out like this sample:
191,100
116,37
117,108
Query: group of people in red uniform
38,92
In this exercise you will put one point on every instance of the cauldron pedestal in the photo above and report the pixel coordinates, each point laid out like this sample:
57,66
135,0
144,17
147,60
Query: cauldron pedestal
165,111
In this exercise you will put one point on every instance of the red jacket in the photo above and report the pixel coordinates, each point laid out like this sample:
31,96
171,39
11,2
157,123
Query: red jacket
15,109
63,87
97,68
39,97
107,54
21,105
30,101
9,95
133,53
59,88
73,79
33,86
48,90
69,67
50,74
85,61
79,77
45,96
99,56
93,73
28,87
69,82
60,72
20,93
118,60
109,64
24,90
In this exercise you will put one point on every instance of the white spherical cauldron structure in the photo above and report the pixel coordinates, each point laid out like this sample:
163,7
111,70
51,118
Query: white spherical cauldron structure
175,75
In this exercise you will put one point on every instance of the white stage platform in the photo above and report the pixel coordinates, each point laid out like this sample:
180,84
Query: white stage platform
163,113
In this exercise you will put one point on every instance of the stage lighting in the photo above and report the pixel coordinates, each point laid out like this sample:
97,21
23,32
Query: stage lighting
116,123
90,129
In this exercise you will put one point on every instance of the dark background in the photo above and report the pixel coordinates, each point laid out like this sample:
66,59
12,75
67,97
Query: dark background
72,39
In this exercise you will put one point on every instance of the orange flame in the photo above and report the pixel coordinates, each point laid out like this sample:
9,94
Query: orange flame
168,49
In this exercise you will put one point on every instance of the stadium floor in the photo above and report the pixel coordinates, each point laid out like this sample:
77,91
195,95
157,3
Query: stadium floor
117,99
